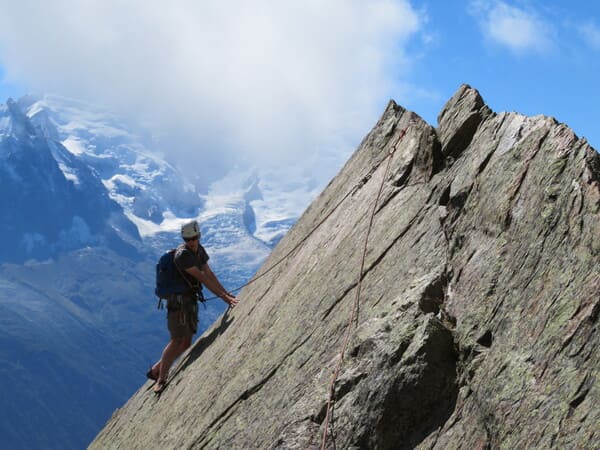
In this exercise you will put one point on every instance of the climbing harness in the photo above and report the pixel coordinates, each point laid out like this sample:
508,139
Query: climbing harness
355,310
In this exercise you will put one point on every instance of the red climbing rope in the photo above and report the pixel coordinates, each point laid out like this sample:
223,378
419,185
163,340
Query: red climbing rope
354,312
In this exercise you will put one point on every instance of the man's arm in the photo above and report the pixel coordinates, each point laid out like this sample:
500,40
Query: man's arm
208,271
208,279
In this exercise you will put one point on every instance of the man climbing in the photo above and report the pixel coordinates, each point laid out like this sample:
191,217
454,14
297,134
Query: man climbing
191,261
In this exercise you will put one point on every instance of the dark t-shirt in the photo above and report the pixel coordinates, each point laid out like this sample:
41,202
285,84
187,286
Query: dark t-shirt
185,258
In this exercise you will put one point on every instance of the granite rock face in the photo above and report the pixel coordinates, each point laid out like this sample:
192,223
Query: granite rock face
477,323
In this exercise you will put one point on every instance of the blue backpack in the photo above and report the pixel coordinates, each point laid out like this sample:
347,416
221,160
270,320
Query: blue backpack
169,279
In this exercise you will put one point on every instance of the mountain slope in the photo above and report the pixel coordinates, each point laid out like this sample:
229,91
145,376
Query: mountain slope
478,314
63,338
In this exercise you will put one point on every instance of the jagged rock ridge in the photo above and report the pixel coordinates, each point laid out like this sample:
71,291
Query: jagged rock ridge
477,324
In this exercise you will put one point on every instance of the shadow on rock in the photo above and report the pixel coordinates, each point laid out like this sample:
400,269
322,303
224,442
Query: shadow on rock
417,397
204,342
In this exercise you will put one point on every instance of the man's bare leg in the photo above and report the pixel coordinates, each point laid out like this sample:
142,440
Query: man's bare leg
172,351
174,348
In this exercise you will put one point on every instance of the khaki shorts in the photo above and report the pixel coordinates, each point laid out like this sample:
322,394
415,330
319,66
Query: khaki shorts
182,316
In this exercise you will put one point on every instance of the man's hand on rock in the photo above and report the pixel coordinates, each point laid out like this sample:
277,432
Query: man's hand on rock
230,299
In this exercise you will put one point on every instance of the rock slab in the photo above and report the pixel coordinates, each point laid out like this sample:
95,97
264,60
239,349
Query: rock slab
477,321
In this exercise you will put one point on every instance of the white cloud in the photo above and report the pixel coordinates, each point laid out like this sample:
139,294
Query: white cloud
518,29
591,33
224,78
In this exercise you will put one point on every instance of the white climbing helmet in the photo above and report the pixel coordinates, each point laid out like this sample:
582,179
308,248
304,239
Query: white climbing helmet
190,230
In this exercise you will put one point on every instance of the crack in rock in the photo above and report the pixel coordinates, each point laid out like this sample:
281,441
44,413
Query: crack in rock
247,394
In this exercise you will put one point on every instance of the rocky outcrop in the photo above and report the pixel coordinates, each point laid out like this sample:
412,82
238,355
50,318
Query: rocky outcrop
477,321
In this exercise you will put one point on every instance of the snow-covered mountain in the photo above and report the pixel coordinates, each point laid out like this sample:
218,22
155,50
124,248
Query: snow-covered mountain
86,207
142,183
51,201
153,194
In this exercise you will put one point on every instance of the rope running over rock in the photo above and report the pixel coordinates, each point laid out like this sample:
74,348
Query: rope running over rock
284,257
354,312
321,222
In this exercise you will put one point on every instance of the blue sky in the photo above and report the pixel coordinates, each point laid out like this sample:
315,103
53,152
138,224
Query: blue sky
553,68
268,80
